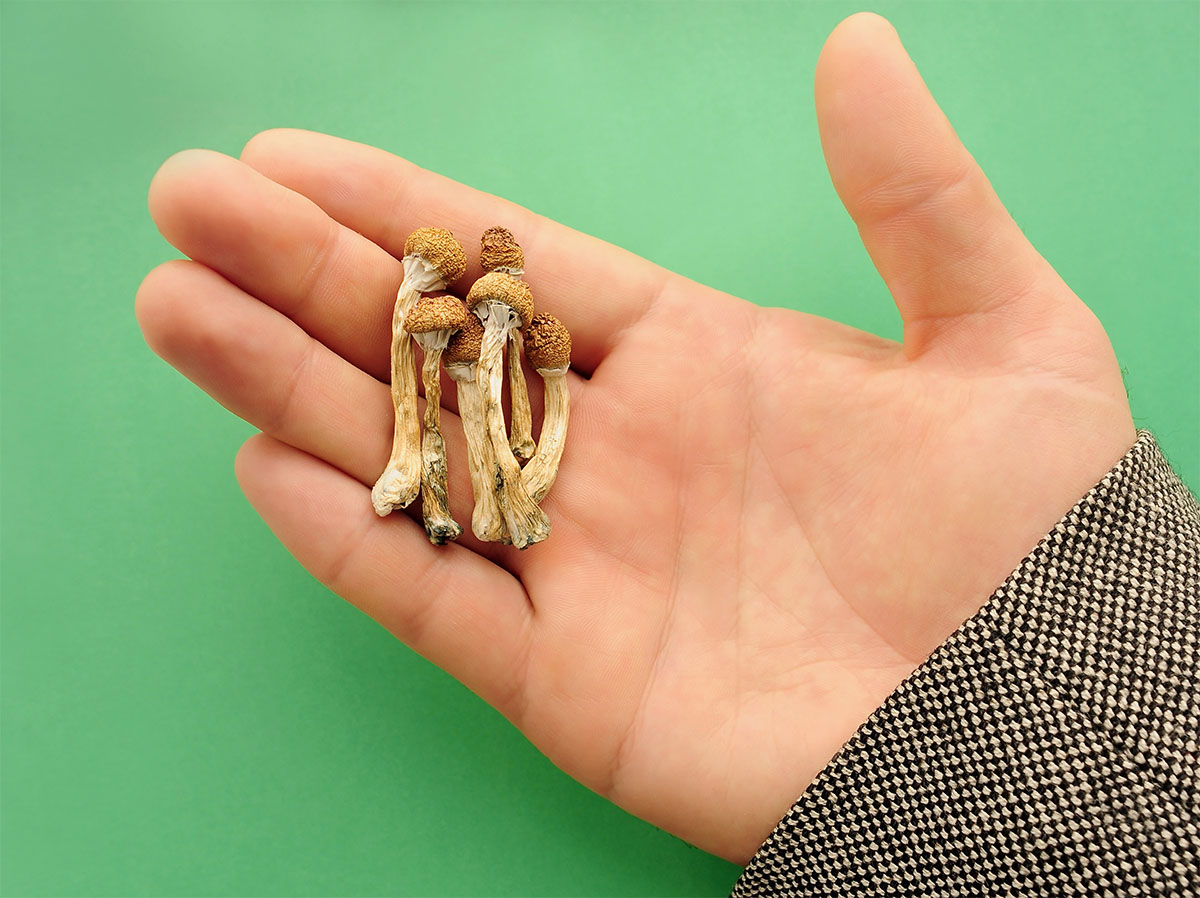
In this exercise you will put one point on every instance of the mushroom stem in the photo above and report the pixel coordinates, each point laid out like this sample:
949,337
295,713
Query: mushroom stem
486,521
527,524
521,438
538,476
400,481
435,507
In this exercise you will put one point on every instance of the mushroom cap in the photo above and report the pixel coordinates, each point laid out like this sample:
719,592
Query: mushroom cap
547,342
499,249
465,343
496,286
436,312
438,247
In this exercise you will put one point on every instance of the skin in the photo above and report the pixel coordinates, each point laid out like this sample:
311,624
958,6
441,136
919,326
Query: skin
749,555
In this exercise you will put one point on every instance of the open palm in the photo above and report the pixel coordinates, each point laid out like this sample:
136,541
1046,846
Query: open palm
764,520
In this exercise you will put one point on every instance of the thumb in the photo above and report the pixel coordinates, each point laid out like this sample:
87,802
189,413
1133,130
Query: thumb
936,231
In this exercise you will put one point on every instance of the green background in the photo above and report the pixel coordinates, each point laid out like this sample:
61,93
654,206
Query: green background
184,711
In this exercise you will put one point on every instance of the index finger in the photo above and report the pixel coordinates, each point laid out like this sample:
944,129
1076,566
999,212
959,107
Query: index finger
597,289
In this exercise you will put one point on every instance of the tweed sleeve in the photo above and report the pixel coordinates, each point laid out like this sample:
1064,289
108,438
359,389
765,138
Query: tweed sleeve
1049,746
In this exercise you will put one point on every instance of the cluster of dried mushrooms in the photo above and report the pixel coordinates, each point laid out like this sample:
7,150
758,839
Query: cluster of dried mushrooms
472,338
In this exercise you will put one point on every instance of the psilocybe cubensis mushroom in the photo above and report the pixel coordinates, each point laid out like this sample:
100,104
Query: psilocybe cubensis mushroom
461,358
548,348
431,322
499,251
503,303
433,260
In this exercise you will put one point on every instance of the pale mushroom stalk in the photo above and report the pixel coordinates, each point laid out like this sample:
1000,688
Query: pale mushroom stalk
499,251
542,469
527,524
501,302
521,437
431,322
435,504
400,481
461,359
432,260
548,346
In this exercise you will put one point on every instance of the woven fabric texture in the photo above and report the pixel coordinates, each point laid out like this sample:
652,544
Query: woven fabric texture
1047,748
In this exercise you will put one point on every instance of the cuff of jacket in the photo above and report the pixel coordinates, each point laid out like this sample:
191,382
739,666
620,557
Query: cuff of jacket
1049,746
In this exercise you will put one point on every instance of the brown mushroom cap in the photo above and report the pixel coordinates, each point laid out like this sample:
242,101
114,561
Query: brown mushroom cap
438,247
547,342
499,249
465,343
500,287
436,312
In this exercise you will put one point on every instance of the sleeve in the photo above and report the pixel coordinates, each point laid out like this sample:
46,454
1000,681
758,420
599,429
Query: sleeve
1049,746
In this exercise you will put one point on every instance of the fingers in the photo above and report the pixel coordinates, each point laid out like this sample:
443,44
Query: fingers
930,220
278,246
597,289
457,609
265,369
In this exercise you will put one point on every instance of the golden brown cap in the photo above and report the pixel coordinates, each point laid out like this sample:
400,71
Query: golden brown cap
438,247
499,249
436,312
500,287
465,343
547,342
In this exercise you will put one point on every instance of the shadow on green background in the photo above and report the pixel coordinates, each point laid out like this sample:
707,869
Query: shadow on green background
184,710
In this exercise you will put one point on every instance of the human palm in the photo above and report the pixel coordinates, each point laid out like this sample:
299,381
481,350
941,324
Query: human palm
763,521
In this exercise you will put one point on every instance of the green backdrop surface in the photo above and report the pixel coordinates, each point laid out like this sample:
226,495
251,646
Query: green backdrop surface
185,712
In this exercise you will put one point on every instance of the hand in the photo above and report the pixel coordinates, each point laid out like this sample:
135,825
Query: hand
764,520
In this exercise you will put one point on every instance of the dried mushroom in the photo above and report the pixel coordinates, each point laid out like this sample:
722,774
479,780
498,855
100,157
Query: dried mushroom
503,303
433,260
431,322
499,251
548,348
